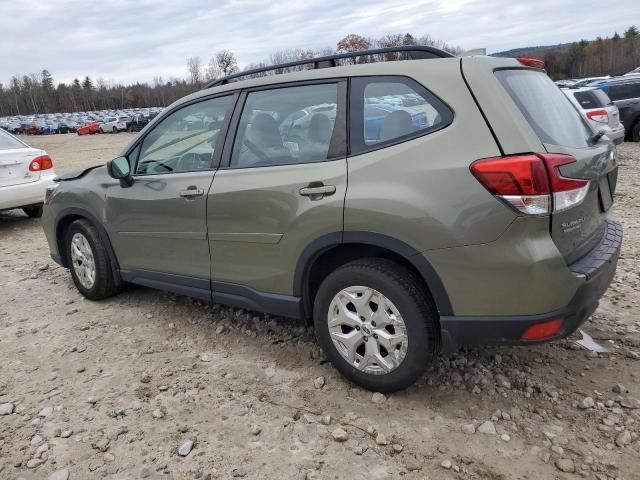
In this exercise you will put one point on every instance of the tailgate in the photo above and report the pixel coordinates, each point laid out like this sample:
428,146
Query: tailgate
529,113
578,229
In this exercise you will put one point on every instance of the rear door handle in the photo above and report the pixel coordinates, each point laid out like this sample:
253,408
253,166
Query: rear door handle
191,192
317,190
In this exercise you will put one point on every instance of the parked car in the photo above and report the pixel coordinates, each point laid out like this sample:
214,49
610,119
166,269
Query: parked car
487,226
32,130
598,110
375,115
25,174
625,93
583,82
137,123
89,129
66,127
113,125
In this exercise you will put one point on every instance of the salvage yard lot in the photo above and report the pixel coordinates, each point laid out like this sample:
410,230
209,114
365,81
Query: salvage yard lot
115,388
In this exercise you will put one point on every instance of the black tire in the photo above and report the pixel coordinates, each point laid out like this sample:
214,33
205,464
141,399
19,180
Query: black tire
33,211
635,132
408,294
104,284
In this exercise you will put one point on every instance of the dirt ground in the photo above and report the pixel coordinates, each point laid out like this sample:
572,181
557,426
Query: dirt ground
120,389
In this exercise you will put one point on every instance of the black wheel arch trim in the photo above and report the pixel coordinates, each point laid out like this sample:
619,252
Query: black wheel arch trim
320,245
102,232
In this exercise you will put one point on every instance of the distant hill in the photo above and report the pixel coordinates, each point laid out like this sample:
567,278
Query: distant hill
539,50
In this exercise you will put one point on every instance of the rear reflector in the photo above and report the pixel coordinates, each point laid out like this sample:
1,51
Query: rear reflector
531,183
543,330
599,116
532,62
43,162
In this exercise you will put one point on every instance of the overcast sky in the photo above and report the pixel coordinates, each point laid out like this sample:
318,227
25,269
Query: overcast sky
136,40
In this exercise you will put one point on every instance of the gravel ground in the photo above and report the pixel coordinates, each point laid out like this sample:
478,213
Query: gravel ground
152,385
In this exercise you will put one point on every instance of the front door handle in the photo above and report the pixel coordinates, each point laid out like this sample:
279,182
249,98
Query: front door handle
317,190
191,192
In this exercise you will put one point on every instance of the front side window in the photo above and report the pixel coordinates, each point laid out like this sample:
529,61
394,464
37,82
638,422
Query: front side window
186,140
623,91
388,110
289,125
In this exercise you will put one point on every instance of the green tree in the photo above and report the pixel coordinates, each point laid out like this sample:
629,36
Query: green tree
87,84
631,32
47,81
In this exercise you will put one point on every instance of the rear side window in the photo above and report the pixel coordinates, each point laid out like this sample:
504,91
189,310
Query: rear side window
390,110
7,142
592,99
551,115
623,91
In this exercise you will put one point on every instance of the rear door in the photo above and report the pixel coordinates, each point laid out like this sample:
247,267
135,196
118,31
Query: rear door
15,158
562,130
282,185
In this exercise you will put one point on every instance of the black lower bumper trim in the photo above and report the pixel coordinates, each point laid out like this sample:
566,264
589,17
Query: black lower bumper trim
598,267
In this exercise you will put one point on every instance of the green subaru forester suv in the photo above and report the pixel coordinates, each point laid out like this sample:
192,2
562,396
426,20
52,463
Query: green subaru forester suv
406,207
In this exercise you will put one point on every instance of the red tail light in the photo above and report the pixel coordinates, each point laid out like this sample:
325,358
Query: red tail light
532,62
543,330
43,162
531,183
600,116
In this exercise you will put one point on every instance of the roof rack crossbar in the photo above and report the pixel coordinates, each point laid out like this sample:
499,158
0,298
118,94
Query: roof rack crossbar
414,52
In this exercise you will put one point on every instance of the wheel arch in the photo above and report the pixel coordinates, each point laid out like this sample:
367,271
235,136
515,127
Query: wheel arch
335,249
69,215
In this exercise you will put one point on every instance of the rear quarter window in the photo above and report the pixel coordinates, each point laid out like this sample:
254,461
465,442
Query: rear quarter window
547,110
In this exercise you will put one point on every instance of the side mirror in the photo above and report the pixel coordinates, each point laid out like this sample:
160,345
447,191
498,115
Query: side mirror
120,169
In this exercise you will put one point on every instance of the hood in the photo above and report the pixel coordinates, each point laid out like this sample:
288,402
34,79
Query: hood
75,174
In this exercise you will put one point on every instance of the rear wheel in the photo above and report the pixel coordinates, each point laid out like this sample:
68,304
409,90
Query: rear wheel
377,324
89,261
635,132
33,211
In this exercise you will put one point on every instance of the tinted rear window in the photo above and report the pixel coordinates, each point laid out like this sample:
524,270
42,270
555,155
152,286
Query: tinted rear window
592,99
622,91
551,115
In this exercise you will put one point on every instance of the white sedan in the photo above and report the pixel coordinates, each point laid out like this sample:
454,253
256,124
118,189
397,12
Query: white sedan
25,174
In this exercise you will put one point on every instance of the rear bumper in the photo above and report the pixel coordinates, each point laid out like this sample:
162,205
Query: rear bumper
23,195
597,268
616,135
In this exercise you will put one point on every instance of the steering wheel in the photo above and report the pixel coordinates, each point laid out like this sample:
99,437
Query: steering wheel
157,162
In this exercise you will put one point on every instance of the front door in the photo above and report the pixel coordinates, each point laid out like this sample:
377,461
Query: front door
158,224
281,186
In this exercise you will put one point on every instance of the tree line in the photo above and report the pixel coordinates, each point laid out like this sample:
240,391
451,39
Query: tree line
614,55
39,93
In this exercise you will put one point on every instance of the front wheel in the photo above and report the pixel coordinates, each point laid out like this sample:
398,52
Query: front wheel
377,324
89,261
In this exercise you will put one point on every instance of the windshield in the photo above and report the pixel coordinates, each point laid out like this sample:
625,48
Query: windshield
549,112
